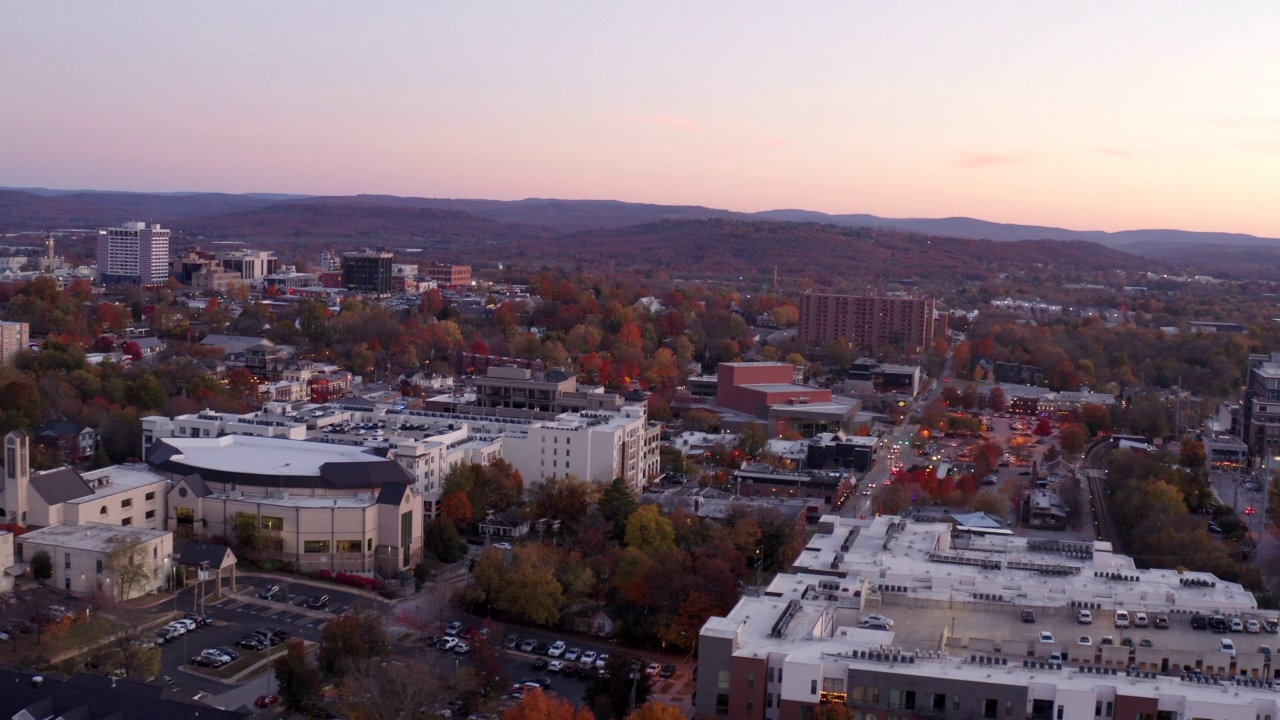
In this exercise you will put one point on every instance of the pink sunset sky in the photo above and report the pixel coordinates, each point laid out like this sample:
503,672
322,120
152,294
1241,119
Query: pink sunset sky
1087,115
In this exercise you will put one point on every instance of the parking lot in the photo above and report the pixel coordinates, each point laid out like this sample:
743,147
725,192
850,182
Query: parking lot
233,617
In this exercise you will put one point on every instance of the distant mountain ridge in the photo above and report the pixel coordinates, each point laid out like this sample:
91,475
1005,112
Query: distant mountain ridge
39,208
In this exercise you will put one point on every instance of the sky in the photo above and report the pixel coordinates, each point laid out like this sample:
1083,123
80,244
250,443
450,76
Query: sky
1085,115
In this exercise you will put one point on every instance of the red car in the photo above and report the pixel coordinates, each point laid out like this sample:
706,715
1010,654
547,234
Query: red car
266,701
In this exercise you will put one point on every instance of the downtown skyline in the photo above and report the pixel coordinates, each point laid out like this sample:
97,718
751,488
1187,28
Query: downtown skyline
1150,115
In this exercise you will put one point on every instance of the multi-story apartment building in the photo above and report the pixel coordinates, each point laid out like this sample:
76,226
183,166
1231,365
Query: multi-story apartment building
869,322
367,271
1261,406
14,338
103,560
447,274
551,392
905,619
134,253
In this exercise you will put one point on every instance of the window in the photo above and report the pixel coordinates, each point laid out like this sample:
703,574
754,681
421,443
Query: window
126,503
99,562
770,676
315,546
902,699
151,514
187,514
127,521
813,687
369,545
751,681
150,496
750,705
768,700
66,561
155,552
102,510
990,707
272,523
349,546
939,703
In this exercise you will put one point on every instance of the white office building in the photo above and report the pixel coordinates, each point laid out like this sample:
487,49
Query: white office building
134,253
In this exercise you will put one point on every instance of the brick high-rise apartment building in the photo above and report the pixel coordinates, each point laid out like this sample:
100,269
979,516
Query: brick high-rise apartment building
14,337
867,321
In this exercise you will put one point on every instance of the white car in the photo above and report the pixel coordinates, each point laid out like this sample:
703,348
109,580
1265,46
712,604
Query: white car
1046,636
177,628
602,661
448,643
572,654
462,647
1085,640
1122,619
1084,617
1227,646
555,666
215,655
877,618
588,658
1252,626
502,546
557,649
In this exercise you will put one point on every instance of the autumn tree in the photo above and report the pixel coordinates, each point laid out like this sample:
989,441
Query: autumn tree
991,503
655,710
440,538
566,499
649,532
457,508
996,400
754,438
537,705
1072,438
832,711
299,681
375,690
350,639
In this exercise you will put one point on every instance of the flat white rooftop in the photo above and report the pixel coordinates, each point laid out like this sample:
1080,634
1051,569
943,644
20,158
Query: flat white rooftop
259,455
123,478
91,536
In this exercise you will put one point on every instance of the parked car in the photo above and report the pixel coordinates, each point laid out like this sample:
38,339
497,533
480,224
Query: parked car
209,662
1046,636
1084,640
652,669
269,593
541,648
188,624
1122,619
266,701
448,643
200,619
1028,616
1252,626
462,648
878,618
1084,617
454,628
668,671
588,658
1237,625
511,641
318,602
502,546
1140,619
528,645
252,642
555,666
1162,622
539,664
1146,643
1226,645
557,649
215,653
571,655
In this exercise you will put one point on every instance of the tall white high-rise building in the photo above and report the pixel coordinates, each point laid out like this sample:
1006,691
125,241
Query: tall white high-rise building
135,252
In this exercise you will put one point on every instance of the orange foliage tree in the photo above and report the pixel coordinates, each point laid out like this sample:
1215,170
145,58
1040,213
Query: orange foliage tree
538,706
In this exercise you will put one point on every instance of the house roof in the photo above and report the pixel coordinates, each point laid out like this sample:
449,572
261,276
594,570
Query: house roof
392,494
511,517
91,697
231,344
197,485
60,429
199,553
59,486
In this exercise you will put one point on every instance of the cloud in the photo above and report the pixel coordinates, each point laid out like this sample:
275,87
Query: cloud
673,121
970,160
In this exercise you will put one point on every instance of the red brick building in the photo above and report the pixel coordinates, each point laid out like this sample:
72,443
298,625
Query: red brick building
448,274
868,322
752,388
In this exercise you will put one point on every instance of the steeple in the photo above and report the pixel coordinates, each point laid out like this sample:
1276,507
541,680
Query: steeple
17,477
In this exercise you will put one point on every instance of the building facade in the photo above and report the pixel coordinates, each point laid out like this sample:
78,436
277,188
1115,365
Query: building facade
1261,406
14,338
367,271
98,559
447,274
134,253
868,322
317,506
